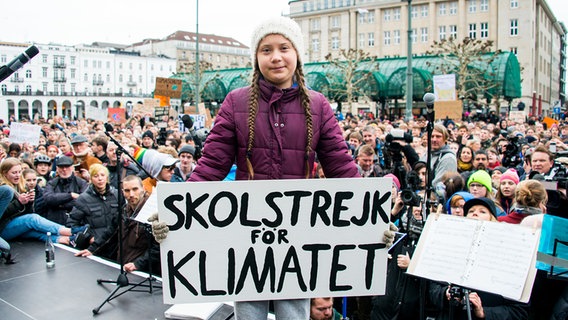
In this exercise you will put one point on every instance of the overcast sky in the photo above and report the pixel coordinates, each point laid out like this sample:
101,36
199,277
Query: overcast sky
71,22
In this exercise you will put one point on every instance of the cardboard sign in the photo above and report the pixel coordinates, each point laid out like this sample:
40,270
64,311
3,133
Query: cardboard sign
451,109
96,113
146,108
263,240
24,133
116,115
168,87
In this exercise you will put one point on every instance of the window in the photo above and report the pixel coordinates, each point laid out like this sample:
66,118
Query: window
371,36
513,50
514,30
396,36
361,40
413,36
335,21
396,14
44,58
472,31
140,78
3,58
120,65
44,72
86,63
454,31
130,66
315,45
73,58
4,88
484,30
362,17
484,5
514,4
99,64
387,15
453,8
472,8
28,74
442,9
387,38
414,12
29,89
315,24
424,11
119,78
94,64
371,16
424,34
335,43
442,32
85,77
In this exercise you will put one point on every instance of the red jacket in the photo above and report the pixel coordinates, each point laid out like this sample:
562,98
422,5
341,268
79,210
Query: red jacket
279,140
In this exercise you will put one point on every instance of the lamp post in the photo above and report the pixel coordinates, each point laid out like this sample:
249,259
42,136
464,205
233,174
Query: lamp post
196,54
409,66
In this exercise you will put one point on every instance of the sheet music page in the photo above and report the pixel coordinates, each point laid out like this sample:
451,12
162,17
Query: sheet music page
445,255
502,258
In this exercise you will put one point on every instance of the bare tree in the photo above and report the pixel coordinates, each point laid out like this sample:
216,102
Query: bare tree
186,71
471,60
348,64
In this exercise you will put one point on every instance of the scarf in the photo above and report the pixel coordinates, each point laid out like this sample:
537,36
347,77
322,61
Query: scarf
464,166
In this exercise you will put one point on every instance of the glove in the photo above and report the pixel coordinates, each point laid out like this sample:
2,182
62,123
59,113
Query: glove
388,235
160,229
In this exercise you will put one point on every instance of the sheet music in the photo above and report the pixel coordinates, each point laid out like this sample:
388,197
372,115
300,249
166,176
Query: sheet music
489,256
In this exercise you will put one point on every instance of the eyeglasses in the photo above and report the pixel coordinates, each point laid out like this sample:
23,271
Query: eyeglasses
475,185
172,167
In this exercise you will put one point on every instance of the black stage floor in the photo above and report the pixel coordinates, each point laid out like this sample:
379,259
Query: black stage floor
28,290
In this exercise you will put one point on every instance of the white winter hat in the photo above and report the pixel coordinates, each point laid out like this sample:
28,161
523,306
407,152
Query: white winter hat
280,25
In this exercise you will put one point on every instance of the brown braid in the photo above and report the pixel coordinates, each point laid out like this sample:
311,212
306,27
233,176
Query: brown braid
305,100
253,108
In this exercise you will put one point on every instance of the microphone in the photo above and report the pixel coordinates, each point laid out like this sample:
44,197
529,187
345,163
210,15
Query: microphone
18,62
109,127
187,122
429,98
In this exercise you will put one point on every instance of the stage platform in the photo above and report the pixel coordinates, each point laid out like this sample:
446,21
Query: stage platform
28,290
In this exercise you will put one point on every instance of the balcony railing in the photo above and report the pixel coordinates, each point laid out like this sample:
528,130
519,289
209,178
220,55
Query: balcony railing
59,65
98,82
59,79
131,84
14,79
77,94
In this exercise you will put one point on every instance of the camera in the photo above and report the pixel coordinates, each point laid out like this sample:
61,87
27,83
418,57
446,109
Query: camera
512,156
458,296
162,135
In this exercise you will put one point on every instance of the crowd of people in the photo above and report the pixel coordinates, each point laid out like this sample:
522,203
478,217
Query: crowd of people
494,170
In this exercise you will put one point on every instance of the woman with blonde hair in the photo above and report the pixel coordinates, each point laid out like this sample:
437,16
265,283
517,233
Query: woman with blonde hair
17,217
530,199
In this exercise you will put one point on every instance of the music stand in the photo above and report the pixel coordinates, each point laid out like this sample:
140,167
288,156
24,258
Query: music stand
122,281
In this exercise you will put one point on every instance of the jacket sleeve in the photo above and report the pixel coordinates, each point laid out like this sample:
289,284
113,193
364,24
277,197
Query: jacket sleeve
39,203
77,215
331,149
446,163
508,310
53,198
411,155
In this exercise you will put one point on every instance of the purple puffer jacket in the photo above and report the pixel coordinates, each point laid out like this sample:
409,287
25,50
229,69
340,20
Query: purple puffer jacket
279,140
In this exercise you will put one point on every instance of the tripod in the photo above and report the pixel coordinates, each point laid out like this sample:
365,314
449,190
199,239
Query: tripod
122,282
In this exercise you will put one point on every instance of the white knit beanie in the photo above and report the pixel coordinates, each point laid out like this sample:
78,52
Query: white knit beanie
280,25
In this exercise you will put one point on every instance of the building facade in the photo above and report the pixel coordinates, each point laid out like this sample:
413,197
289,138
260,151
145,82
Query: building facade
527,28
64,80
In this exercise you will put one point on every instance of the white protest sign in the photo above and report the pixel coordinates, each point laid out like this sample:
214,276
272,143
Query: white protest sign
96,113
23,132
263,240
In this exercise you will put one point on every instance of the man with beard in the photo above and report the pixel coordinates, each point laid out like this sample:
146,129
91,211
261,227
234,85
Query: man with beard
480,160
82,160
322,309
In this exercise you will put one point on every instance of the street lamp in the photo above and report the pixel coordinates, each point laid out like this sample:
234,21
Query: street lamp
197,54
409,65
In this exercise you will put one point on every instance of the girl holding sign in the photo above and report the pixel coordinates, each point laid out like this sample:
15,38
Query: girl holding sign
273,130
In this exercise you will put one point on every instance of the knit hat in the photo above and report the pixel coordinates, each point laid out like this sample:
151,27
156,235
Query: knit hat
486,202
510,174
464,194
481,177
187,149
149,134
280,25
153,161
530,139
394,180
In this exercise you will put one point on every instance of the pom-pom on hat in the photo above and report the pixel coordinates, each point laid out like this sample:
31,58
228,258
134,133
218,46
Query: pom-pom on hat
280,25
481,177
510,174
394,180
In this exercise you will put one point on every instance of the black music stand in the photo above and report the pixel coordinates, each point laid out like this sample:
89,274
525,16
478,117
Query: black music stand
122,281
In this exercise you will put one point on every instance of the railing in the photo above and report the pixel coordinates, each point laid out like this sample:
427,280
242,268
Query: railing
98,82
15,79
59,79
60,65
131,84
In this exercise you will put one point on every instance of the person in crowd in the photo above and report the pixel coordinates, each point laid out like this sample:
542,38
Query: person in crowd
542,164
456,202
65,146
480,160
82,160
42,164
97,208
98,146
530,198
322,309
371,139
14,150
29,182
148,141
159,165
355,140
128,167
185,166
484,305
493,160
465,159
365,162
505,194
480,186
61,192
442,158
496,174
140,251
17,219
306,125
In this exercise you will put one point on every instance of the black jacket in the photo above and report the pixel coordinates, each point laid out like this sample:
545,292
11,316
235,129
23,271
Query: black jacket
57,197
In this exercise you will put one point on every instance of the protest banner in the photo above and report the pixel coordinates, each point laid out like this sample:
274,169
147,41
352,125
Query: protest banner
448,109
24,133
168,87
96,113
489,256
445,87
285,239
116,115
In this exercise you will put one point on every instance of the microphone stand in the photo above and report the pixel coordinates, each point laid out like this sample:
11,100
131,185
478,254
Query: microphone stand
122,280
